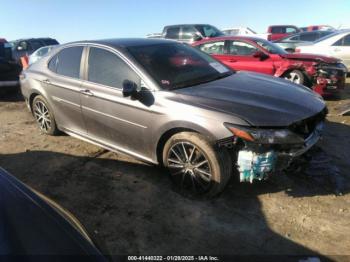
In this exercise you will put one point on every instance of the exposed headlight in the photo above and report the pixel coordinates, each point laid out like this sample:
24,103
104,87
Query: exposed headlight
265,136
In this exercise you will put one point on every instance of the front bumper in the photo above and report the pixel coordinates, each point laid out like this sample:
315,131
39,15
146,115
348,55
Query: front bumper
258,162
329,79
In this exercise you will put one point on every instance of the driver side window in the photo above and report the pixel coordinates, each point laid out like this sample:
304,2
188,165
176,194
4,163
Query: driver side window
106,68
241,48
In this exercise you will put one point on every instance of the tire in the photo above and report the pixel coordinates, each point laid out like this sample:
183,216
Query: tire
295,76
195,166
44,117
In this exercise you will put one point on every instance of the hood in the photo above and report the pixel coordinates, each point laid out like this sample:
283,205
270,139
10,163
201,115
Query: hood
260,100
311,57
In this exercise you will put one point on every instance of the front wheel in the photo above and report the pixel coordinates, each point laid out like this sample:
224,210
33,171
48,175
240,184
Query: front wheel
296,77
195,166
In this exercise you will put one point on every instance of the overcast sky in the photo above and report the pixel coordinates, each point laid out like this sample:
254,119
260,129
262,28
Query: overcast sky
70,20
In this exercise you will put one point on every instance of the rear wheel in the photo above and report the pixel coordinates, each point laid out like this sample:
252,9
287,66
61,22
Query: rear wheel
295,76
195,166
44,116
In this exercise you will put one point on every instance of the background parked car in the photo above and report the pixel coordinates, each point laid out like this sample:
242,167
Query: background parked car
25,47
190,33
336,45
276,32
9,69
32,224
317,28
168,103
289,43
324,75
40,53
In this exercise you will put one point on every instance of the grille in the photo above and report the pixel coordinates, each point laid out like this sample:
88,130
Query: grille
306,127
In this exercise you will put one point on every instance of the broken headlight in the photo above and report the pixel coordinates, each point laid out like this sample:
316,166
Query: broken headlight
265,136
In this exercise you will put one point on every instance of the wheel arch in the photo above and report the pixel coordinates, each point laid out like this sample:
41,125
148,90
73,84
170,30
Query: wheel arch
31,97
172,130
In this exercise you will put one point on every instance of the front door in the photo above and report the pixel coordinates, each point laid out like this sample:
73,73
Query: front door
341,50
240,56
112,119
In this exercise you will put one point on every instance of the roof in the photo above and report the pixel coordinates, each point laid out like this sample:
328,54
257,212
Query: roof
223,38
126,42
37,38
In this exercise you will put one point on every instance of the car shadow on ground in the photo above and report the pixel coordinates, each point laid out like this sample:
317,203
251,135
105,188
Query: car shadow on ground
133,208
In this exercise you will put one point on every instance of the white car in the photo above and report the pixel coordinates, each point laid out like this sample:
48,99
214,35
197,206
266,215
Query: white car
336,45
40,53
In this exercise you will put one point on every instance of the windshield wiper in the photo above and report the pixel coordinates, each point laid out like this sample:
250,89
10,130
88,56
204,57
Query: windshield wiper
198,82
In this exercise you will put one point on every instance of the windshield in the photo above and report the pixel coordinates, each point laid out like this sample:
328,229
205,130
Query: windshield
176,65
209,31
271,47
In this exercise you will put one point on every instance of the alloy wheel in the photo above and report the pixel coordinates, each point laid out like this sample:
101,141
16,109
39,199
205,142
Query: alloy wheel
42,116
189,167
293,77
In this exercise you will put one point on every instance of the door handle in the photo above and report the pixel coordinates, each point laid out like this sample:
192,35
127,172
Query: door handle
86,92
232,60
336,49
46,81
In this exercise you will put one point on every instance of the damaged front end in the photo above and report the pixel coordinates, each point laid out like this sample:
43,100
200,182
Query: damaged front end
260,152
329,78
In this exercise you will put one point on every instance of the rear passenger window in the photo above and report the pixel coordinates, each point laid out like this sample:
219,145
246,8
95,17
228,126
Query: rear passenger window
53,63
108,69
67,62
173,33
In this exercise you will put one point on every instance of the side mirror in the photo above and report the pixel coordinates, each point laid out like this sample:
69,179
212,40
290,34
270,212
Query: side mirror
130,88
261,55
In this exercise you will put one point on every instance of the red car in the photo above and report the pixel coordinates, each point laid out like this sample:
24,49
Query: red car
325,75
276,32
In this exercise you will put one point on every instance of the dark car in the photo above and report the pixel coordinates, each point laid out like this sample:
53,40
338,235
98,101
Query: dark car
9,69
190,33
168,103
289,43
25,47
32,226
325,75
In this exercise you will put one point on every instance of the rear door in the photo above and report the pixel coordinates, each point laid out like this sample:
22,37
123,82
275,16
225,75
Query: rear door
63,87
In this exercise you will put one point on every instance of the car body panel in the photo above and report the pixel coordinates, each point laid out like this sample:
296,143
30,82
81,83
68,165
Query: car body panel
34,225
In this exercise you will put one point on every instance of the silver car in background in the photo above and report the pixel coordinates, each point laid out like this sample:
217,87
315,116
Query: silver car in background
336,45
167,103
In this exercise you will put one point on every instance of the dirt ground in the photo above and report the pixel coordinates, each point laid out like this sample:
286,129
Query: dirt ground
133,208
